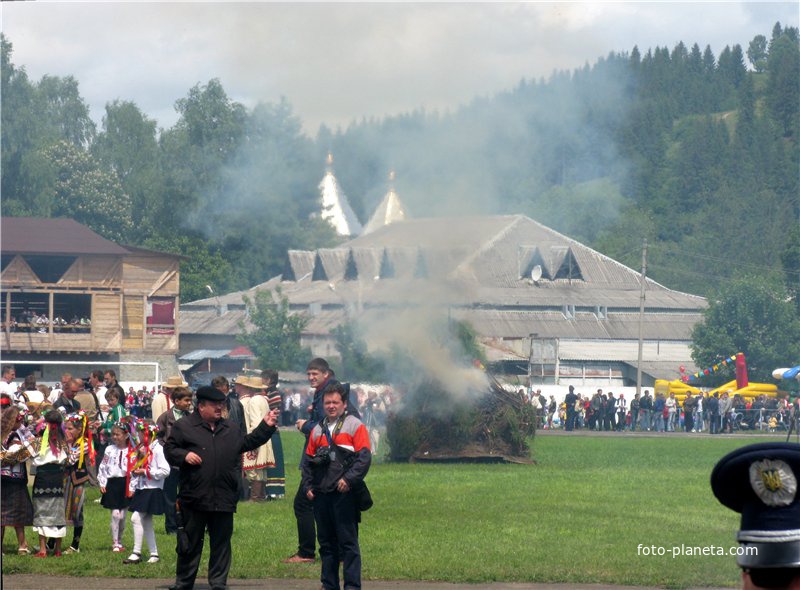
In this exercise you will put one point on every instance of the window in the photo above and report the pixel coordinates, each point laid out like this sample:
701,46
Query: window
72,313
49,269
161,315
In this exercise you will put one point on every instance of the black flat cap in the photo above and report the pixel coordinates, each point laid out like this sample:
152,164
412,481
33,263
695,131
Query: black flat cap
211,394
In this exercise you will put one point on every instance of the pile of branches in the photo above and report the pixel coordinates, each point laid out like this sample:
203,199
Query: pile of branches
486,426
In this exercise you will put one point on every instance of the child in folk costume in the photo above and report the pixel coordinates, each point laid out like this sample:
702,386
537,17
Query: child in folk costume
49,503
116,412
147,469
112,476
81,457
16,509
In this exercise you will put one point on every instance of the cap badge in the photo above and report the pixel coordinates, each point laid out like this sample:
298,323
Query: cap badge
773,482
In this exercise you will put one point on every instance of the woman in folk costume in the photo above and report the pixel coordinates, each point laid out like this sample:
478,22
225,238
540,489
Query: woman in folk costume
112,477
276,475
147,470
49,503
81,457
16,509
255,463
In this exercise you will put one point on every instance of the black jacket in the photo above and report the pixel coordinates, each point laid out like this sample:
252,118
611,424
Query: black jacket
212,486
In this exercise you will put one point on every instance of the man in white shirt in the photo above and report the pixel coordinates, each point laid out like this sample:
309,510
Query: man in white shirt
6,383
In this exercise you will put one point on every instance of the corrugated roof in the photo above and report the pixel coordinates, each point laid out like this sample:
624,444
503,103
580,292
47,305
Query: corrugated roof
204,353
60,236
477,269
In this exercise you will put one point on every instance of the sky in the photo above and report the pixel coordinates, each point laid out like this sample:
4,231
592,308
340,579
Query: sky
339,62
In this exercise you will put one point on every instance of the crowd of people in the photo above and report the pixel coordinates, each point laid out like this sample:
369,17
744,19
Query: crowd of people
154,453
702,412
32,321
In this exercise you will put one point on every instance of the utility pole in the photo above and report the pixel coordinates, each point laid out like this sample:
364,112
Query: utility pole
641,319
532,337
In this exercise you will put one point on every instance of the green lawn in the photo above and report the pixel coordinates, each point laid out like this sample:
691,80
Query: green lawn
578,515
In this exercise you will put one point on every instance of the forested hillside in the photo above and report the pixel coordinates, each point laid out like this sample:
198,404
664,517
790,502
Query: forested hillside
697,153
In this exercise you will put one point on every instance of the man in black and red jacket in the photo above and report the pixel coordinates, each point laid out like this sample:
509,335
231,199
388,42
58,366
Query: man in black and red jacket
319,376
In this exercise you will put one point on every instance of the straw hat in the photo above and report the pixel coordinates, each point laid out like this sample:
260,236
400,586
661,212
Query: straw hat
173,382
251,382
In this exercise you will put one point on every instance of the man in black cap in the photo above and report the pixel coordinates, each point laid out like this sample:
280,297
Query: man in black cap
760,482
208,450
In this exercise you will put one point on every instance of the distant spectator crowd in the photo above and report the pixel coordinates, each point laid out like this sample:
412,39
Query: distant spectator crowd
714,414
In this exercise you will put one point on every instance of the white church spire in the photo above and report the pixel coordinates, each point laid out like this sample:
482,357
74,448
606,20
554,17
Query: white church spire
335,207
389,210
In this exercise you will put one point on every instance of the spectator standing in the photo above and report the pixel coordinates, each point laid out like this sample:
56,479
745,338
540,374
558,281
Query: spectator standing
276,474
622,412
81,457
329,484
256,462
162,401
7,384
635,408
112,477
210,449
49,502
146,486
689,406
16,509
181,406
569,402
66,402
672,407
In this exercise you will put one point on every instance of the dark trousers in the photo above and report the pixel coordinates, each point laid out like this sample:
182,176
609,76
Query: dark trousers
570,425
337,530
713,424
171,495
220,530
306,532
688,420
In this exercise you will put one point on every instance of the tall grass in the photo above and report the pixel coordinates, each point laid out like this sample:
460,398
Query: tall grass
578,515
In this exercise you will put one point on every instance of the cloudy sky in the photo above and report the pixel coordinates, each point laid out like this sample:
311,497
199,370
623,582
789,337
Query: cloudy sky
338,62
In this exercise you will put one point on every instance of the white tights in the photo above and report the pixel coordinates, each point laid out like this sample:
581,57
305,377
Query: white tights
118,524
143,527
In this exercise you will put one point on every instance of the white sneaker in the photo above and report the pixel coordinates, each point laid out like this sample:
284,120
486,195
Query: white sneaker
132,558
153,559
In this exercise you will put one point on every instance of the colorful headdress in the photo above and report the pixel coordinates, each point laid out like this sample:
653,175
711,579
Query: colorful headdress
84,442
49,431
142,434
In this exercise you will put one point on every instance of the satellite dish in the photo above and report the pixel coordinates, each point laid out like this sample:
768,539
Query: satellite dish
536,273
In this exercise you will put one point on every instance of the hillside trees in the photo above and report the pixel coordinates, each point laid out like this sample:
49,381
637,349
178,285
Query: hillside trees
783,91
753,316
673,144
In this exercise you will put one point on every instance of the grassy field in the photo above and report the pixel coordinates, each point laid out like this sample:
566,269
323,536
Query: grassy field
578,515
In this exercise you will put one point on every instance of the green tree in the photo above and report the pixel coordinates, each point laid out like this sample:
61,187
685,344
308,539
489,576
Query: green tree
275,335
757,53
128,146
82,191
753,316
195,152
790,260
783,91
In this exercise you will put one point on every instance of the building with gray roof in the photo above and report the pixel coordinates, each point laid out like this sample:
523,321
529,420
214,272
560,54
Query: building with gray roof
538,300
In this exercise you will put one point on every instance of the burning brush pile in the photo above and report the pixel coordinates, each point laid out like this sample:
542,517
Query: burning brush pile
480,423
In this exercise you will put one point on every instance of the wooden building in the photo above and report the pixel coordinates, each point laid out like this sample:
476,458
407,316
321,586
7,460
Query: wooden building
68,293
